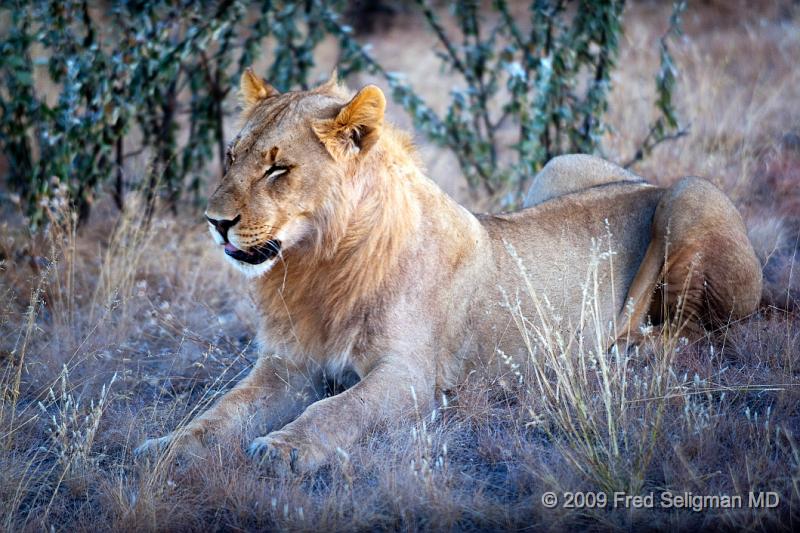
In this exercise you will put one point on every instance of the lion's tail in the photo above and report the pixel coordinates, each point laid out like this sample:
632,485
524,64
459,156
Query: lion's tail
777,246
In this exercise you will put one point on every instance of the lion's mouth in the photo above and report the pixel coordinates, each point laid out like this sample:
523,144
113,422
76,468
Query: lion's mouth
256,255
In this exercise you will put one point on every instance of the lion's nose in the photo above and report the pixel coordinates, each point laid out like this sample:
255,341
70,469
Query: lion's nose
222,225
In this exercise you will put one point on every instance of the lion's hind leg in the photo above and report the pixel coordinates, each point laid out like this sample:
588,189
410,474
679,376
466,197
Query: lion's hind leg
636,311
700,271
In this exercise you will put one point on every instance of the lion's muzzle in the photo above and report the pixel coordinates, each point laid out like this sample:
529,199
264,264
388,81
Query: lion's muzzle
257,254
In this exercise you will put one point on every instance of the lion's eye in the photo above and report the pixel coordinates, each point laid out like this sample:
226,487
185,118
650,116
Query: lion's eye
275,171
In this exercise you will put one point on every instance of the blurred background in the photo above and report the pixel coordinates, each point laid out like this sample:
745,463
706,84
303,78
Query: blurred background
100,99
104,102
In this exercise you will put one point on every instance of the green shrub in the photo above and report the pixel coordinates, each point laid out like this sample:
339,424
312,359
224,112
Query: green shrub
139,67
125,77
556,72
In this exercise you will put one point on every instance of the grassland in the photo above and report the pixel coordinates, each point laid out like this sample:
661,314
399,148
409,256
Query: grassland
109,337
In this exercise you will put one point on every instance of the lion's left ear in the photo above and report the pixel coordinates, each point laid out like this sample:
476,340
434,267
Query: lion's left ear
253,89
357,126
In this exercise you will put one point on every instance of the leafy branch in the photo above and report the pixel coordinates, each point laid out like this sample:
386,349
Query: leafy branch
666,126
155,81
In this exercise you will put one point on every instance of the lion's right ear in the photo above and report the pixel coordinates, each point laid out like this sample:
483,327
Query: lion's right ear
357,126
254,89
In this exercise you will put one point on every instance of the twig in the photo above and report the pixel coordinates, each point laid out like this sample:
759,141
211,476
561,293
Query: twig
430,16
119,185
647,145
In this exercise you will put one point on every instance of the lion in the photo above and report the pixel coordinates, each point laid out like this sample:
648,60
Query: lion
360,263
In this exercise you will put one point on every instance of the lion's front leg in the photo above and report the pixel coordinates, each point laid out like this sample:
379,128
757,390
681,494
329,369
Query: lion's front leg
393,389
271,395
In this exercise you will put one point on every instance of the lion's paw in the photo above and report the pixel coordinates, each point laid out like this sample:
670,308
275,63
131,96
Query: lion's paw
283,448
183,446
152,447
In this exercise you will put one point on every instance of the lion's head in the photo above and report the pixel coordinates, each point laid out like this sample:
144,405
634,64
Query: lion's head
288,170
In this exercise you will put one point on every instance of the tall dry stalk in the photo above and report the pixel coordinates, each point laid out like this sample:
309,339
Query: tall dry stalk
602,407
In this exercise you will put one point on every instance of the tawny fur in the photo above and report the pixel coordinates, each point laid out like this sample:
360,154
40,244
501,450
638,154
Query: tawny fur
382,274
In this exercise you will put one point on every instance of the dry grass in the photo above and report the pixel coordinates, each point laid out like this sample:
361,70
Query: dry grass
107,337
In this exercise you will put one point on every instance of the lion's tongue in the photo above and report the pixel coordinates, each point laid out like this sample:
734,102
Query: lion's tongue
230,248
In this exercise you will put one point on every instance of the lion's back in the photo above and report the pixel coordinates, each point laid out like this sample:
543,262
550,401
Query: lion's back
571,173
558,246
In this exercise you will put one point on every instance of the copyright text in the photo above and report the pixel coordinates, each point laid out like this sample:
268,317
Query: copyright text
660,500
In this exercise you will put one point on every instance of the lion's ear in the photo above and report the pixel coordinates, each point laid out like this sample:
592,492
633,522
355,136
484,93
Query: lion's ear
333,82
254,89
357,126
